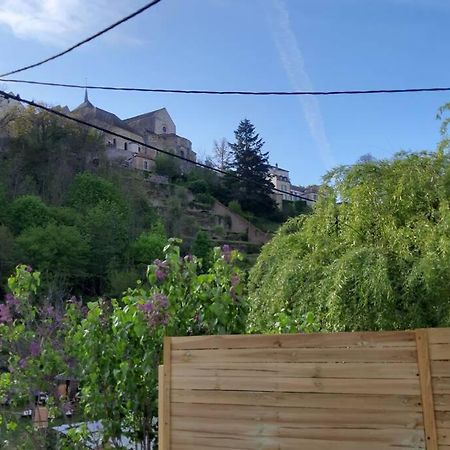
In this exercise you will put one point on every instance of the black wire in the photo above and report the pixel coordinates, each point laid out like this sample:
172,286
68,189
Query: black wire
129,139
79,44
208,92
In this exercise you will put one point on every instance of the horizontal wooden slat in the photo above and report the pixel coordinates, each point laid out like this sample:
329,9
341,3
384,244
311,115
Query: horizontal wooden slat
309,400
441,385
305,417
440,368
444,436
326,385
441,402
243,427
217,441
295,355
438,335
301,370
316,340
440,352
443,419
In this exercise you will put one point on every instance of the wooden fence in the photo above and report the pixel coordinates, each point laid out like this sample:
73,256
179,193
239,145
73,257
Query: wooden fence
342,391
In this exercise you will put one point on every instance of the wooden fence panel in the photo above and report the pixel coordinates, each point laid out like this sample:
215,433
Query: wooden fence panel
374,391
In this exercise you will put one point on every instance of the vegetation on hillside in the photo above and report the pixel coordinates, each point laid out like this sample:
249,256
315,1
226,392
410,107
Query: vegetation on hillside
374,255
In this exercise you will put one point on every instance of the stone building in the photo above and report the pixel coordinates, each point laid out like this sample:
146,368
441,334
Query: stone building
155,128
281,180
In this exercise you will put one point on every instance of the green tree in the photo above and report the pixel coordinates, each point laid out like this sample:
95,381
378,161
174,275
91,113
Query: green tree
167,166
373,255
149,245
27,211
251,165
88,190
104,227
202,248
56,250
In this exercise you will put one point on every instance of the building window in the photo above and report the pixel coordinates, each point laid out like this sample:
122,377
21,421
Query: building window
182,153
125,146
164,129
145,165
139,149
114,141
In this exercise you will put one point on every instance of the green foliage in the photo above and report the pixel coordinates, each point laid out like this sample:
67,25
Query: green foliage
198,186
105,229
149,245
27,211
56,249
373,255
88,191
119,344
167,166
252,167
202,248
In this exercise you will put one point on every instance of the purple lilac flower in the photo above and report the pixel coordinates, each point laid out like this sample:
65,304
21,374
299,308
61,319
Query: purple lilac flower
155,310
5,313
11,301
35,349
226,253
188,258
162,270
23,363
235,280
29,269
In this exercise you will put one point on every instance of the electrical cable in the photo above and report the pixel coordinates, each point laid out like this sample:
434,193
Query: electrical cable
212,92
84,41
129,139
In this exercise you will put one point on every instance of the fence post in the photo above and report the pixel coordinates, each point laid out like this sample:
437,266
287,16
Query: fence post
426,389
164,397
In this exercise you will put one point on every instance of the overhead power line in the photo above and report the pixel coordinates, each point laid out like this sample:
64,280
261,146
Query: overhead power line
90,38
212,92
143,144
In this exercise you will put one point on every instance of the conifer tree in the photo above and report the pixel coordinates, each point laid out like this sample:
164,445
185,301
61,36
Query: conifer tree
251,165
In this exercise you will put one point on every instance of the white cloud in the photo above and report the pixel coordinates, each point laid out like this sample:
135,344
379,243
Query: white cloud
293,62
60,22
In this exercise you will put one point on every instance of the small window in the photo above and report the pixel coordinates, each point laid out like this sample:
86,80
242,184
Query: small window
114,141
145,165
164,130
139,149
182,153
125,146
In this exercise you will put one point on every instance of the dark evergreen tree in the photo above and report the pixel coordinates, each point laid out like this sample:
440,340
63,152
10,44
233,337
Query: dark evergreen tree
251,165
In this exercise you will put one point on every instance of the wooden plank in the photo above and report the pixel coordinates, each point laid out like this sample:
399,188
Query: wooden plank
308,400
314,340
167,394
305,417
441,402
423,360
441,385
442,419
161,407
232,427
440,352
325,385
444,436
302,370
217,441
295,355
440,368
438,335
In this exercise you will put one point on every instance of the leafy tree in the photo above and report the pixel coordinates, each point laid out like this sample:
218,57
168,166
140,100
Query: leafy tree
56,250
27,211
149,245
9,254
251,165
202,248
88,190
167,166
373,255
45,152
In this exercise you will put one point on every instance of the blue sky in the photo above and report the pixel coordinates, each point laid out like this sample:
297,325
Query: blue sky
254,45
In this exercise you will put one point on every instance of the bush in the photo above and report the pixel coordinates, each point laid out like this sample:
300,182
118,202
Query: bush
27,211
